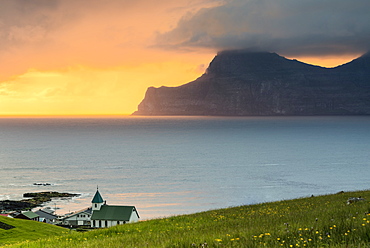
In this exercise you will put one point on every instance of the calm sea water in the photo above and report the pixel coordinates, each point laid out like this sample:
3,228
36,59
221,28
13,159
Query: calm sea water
175,165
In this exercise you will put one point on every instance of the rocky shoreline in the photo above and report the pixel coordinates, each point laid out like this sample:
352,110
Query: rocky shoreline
34,200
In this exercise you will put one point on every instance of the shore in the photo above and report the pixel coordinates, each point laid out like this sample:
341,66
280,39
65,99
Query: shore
32,200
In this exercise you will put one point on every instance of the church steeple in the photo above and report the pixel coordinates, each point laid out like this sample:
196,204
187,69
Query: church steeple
97,201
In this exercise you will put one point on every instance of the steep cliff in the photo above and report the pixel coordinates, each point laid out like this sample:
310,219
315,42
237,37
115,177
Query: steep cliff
259,83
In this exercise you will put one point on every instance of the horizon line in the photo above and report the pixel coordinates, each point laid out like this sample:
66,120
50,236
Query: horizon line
64,115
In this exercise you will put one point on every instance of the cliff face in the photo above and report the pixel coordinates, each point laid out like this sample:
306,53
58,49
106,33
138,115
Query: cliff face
239,83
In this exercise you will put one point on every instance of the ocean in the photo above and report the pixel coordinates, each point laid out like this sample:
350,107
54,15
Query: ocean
178,165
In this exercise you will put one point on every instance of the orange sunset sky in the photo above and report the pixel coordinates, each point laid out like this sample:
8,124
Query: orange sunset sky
77,57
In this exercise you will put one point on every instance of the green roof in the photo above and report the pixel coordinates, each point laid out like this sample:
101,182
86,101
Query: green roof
107,212
30,214
97,198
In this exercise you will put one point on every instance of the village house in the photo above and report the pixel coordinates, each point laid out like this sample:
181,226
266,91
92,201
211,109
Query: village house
78,218
104,215
46,216
27,215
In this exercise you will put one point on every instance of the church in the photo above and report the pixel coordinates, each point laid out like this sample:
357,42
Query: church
104,215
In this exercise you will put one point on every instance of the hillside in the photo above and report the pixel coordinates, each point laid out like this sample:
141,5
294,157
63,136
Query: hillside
242,83
17,230
317,221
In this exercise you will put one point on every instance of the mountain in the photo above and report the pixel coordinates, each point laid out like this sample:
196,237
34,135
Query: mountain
242,83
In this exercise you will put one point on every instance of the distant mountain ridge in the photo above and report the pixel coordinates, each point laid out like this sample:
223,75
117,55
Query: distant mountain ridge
242,83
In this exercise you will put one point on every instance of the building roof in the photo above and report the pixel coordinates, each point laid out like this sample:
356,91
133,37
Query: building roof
45,214
84,211
48,210
97,198
106,212
29,214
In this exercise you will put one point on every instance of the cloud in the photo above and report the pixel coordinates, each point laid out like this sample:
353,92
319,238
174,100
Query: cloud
54,34
289,27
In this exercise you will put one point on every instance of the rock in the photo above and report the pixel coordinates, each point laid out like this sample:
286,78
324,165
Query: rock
242,83
41,184
354,199
49,194
35,199
8,205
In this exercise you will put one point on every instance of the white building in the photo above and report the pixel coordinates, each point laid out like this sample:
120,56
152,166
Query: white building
104,215
46,216
78,218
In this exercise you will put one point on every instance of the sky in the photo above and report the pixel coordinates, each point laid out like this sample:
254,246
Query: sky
96,57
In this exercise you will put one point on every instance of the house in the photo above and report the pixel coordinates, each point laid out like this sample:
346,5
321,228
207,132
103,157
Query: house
27,215
104,215
49,210
78,218
46,216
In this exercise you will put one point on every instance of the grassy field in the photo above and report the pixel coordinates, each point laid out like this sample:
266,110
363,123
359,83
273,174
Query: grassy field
322,221
22,230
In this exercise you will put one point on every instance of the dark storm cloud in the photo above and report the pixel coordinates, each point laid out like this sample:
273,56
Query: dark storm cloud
291,27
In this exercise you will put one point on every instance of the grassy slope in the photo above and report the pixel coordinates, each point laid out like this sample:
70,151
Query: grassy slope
321,221
26,230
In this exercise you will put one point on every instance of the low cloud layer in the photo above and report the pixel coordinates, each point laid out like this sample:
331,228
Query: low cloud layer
289,27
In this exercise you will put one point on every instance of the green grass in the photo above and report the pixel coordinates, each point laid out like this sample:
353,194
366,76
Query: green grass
26,230
323,221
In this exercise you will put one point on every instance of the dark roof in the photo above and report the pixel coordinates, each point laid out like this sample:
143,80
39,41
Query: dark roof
107,212
45,214
97,198
48,210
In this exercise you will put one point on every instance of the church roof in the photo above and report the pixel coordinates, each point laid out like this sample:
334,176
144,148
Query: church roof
97,198
106,212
